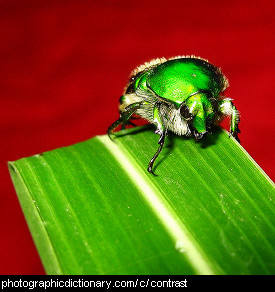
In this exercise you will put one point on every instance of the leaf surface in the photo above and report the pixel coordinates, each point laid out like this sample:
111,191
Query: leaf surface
93,208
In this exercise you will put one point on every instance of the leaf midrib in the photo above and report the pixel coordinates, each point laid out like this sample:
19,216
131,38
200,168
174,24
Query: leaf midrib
163,211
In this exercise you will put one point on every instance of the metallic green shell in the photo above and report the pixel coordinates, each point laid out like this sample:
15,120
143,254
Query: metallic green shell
177,79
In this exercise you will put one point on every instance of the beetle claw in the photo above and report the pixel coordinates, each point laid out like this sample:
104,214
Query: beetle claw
150,170
235,135
110,133
198,136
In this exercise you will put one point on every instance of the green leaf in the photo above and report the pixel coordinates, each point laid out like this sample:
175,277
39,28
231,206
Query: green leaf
92,208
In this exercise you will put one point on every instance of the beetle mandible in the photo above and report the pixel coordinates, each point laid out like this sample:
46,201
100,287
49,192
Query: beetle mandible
182,94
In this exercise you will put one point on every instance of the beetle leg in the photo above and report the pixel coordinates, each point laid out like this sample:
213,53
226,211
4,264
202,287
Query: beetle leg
161,129
124,117
161,143
123,126
227,107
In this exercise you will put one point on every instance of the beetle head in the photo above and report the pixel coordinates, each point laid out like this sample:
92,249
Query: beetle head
189,118
198,112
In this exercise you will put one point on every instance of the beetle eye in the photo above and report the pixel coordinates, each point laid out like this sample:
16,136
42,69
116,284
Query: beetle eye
184,111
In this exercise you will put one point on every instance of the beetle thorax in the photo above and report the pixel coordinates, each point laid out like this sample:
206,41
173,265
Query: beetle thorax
176,123
173,119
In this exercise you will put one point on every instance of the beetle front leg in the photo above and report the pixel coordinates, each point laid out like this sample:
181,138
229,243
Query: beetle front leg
124,117
161,143
228,108
161,129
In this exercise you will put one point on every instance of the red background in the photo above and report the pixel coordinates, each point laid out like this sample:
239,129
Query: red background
64,65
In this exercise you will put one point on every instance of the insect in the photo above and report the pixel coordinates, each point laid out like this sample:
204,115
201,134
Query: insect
182,95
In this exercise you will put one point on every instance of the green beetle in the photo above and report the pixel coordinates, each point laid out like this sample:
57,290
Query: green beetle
182,95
